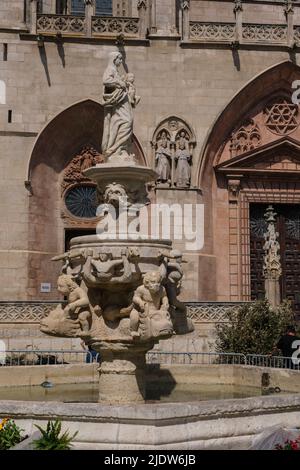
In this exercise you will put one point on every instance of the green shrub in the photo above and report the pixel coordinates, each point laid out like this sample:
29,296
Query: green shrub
253,328
51,439
10,434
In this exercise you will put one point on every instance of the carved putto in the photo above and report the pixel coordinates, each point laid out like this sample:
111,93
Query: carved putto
73,319
173,145
150,314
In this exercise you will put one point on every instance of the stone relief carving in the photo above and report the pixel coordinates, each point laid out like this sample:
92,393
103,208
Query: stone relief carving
264,32
59,23
173,144
73,173
272,265
163,159
282,117
212,31
248,137
150,316
109,26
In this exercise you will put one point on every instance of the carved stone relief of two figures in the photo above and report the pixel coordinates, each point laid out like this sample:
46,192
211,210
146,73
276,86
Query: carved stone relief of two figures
173,145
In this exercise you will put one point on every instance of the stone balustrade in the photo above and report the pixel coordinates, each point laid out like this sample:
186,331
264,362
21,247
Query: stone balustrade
64,24
35,311
251,32
101,26
108,26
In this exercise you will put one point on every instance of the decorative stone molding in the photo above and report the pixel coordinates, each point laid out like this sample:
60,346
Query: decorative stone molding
248,137
212,31
210,312
234,186
173,145
64,24
73,173
76,188
25,312
282,117
35,311
247,33
88,25
265,32
108,26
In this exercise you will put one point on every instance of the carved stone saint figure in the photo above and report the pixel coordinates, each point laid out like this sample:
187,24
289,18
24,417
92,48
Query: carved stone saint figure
118,115
183,159
150,316
162,159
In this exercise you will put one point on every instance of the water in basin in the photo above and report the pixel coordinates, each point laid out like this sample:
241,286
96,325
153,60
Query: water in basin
88,392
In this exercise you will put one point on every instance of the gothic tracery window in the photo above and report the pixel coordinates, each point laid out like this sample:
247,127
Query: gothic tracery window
282,117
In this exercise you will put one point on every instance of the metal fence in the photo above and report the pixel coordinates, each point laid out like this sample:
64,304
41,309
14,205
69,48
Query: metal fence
26,357
279,362
157,357
39,357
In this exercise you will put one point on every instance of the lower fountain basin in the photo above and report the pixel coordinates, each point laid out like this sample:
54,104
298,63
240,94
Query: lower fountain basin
192,425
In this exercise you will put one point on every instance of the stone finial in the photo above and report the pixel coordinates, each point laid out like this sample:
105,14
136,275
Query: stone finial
288,8
185,4
142,4
238,6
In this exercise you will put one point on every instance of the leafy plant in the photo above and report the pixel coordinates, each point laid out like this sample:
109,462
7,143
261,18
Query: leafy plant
51,438
10,434
253,328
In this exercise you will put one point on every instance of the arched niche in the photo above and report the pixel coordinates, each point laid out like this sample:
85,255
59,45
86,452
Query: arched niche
171,133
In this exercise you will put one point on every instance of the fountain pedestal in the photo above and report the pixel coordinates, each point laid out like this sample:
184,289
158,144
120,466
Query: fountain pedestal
122,375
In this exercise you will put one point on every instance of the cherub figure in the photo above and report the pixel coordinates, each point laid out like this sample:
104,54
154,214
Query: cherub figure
133,98
150,303
102,268
78,302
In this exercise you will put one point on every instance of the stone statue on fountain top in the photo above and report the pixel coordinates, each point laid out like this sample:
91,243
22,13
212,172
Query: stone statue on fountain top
119,99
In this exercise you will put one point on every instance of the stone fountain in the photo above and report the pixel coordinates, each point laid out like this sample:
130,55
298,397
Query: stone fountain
121,286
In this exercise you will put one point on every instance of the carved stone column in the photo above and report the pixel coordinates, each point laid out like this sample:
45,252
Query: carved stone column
152,13
238,12
185,9
142,9
89,12
33,16
272,265
289,14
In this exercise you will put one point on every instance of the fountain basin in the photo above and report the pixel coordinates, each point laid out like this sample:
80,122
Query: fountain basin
213,424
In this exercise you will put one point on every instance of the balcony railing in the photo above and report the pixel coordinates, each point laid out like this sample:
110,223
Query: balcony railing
101,26
108,26
64,24
251,32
